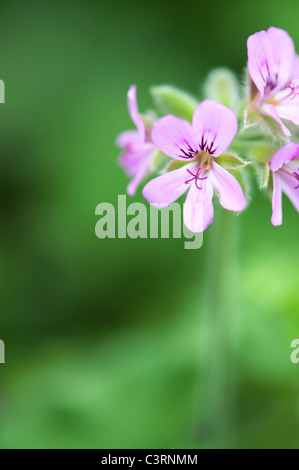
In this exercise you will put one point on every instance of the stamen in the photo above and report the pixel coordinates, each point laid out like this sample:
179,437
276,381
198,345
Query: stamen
294,90
196,177
294,173
297,177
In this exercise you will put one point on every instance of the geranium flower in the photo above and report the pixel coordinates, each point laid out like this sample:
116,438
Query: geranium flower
274,70
138,149
285,170
213,128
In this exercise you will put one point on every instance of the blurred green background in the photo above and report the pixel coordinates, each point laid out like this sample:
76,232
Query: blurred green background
102,335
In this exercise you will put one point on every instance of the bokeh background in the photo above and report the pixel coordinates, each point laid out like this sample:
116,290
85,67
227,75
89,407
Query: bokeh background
102,335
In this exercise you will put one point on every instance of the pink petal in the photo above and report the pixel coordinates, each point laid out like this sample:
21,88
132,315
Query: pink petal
198,208
260,59
288,185
130,162
215,126
175,137
276,202
295,68
141,173
135,159
270,110
133,110
165,189
289,110
135,152
284,155
293,165
129,139
270,59
231,195
284,53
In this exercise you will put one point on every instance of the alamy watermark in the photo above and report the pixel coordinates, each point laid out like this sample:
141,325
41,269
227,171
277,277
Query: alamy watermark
295,352
2,92
138,220
2,352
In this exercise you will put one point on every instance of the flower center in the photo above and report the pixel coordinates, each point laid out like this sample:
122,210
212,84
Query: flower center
289,92
197,176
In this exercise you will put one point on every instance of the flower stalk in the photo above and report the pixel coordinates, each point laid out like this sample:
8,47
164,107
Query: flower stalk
217,388
210,147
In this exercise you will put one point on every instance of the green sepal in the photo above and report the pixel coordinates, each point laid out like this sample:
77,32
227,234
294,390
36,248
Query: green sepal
231,162
222,85
174,165
263,174
250,118
170,100
275,128
270,185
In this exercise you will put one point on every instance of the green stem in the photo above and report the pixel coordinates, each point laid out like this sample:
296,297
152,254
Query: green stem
219,336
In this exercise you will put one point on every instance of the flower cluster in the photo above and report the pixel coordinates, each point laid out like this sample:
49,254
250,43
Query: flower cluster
214,146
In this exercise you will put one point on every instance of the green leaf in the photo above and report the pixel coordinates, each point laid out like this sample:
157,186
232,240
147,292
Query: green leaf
222,85
231,162
170,100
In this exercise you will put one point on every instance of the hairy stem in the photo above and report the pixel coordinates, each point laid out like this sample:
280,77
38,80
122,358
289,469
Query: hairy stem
217,385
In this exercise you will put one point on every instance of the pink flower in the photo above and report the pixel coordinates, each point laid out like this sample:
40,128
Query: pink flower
213,128
274,69
138,149
285,171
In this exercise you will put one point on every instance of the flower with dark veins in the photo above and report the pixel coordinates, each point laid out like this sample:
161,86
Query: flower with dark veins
213,128
274,70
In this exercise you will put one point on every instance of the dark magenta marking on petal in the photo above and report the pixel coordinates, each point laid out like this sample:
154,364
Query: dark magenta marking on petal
205,147
189,152
270,81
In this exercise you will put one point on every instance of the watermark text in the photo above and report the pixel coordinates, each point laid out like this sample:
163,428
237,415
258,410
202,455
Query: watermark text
138,220
2,352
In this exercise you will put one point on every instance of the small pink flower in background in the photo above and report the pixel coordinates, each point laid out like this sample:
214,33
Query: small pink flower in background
274,69
138,149
285,171
213,128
